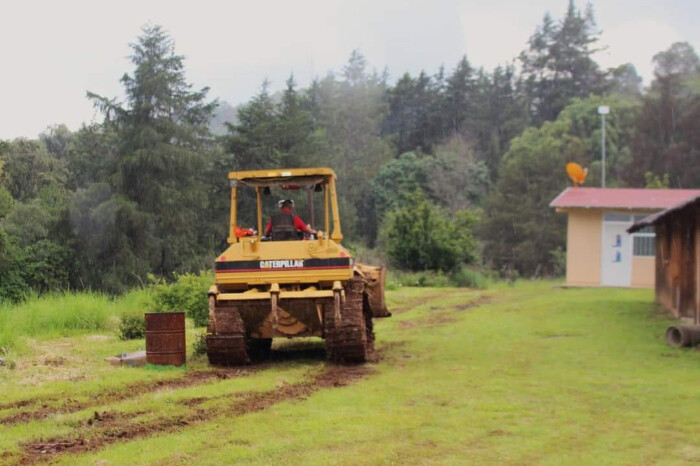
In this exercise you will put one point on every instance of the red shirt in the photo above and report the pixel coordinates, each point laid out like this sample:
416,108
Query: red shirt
298,222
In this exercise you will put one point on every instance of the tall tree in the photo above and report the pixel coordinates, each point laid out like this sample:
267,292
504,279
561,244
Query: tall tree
352,111
499,115
459,95
253,141
162,129
667,139
558,64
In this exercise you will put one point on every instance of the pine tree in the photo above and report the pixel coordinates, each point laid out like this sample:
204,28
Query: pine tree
162,129
295,128
667,128
558,64
459,95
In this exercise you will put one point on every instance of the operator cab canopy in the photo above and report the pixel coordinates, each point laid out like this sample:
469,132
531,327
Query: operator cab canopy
269,178
313,179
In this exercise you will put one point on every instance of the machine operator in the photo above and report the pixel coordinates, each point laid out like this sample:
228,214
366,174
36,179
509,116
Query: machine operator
285,226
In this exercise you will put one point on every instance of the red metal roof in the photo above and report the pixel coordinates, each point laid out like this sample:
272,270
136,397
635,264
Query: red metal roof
622,198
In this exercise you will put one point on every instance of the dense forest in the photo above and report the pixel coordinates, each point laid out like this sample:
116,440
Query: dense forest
448,167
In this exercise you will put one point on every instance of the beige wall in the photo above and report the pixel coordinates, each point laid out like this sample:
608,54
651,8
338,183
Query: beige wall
643,271
583,246
583,252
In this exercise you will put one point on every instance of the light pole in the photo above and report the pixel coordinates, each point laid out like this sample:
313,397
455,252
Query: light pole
602,111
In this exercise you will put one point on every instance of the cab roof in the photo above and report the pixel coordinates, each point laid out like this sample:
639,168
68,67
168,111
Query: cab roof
280,173
284,176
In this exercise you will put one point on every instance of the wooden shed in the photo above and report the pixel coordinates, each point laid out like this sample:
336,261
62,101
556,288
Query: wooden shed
677,257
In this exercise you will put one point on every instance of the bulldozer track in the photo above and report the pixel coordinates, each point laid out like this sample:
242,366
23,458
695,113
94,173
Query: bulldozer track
107,428
226,343
351,340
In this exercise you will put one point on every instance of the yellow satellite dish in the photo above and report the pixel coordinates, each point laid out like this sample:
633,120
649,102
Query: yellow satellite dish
576,172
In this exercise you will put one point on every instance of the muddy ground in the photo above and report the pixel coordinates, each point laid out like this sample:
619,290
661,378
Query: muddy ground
107,427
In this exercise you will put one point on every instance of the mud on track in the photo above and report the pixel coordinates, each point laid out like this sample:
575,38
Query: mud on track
67,406
108,427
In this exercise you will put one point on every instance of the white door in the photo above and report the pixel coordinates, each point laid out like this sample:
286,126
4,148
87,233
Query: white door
616,262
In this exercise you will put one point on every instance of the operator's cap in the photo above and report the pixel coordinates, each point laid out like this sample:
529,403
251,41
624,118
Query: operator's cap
285,201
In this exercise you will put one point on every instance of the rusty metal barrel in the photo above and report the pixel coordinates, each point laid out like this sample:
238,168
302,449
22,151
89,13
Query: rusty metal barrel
165,338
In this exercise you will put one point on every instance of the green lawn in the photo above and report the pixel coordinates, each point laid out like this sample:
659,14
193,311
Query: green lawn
519,375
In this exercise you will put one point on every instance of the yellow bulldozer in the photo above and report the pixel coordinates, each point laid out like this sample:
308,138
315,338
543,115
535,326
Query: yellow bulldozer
279,282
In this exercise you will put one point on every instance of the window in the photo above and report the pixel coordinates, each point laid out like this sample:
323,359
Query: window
615,217
643,245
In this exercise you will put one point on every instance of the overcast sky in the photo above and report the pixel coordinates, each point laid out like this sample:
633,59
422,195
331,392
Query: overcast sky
54,51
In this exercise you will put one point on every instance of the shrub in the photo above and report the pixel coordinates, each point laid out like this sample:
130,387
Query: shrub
421,236
558,262
132,327
200,344
467,278
188,293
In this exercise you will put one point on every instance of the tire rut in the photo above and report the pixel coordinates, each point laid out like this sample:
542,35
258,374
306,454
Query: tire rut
130,391
109,428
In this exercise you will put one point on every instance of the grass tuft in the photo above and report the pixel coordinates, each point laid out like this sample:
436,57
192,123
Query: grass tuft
64,314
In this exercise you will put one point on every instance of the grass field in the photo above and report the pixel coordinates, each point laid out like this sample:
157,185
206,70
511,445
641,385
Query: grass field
509,375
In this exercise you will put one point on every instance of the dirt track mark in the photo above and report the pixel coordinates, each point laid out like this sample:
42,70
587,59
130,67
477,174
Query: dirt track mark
115,428
483,299
442,316
131,391
408,305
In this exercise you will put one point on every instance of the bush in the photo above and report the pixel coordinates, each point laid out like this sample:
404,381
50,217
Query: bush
188,293
200,344
466,278
421,236
558,262
132,327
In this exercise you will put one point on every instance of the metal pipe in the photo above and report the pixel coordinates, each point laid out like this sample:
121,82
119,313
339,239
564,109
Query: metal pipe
259,199
602,144
310,205
326,217
232,232
337,235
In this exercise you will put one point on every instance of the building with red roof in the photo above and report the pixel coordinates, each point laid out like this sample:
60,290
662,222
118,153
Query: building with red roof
600,251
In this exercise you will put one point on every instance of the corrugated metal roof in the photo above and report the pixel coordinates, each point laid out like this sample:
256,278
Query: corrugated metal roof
622,198
655,218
